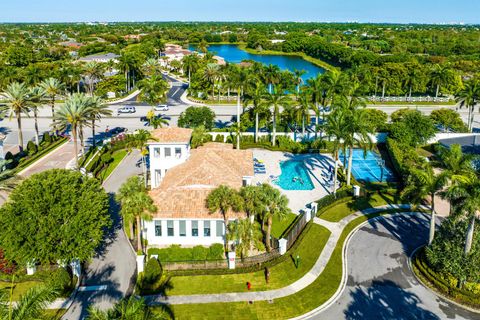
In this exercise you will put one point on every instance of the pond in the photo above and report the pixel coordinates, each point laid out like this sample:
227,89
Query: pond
232,53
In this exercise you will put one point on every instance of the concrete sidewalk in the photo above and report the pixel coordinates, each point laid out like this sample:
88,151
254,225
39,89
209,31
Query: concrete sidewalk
336,230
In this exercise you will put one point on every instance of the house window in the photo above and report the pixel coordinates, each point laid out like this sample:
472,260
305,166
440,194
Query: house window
194,228
168,152
219,228
206,228
156,152
178,153
183,228
170,228
158,228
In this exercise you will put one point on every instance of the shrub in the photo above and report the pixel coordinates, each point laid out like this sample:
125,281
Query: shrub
61,280
31,148
199,253
6,266
229,139
47,138
216,252
208,138
153,271
219,138
106,158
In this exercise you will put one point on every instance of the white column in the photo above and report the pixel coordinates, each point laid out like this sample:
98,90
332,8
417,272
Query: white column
282,243
231,260
314,207
76,268
140,263
31,268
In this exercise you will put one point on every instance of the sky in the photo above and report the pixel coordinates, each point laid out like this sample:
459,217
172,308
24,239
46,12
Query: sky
395,11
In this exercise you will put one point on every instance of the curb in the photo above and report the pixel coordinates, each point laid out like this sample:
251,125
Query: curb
434,291
343,281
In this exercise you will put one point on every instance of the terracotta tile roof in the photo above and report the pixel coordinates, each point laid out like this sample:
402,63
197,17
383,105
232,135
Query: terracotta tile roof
184,190
172,134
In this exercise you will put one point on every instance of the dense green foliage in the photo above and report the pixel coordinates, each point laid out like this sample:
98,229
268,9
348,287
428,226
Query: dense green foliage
49,216
194,117
197,253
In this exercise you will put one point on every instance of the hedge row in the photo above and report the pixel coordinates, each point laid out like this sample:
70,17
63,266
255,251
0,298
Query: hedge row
396,154
437,280
253,268
332,199
176,253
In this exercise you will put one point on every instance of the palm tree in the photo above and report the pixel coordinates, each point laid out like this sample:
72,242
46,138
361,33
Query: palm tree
271,75
53,88
335,128
151,67
190,63
276,100
423,182
17,102
75,112
252,200
136,205
318,93
97,109
156,121
298,78
203,46
132,308
30,306
36,94
303,108
224,199
140,141
247,235
127,63
154,90
455,163
441,75
211,74
93,71
275,206
254,96
468,97
465,197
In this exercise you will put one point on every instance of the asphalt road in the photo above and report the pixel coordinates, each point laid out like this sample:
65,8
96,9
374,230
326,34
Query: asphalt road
111,273
380,284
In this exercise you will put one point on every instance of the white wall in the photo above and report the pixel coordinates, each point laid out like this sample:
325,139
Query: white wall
163,163
441,136
188,240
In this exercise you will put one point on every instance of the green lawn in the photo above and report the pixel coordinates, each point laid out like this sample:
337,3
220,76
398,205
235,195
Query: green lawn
54,314
350,205
279,226
291,306
19,288
281,274
117,158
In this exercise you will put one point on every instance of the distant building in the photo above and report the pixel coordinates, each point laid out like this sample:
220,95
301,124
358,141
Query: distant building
73,45
102,58
175,52
277,41
134,36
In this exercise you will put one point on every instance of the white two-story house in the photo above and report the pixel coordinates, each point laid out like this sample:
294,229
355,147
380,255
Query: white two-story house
182,179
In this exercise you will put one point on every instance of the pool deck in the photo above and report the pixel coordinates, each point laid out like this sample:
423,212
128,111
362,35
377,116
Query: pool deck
315,163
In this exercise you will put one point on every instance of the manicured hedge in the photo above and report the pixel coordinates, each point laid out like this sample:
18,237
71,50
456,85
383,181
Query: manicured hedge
438,281
331,199
396,154
198,253
22,160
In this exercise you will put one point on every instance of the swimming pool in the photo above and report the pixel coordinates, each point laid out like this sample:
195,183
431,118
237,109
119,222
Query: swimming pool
369,168
294,176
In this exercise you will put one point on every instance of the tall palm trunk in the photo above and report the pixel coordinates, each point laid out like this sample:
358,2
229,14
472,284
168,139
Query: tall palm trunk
269,231
383,90
37,133
303,125
469,240
225,240
139,233
432,221
80,136
256,127
93,133
20,133
274,131
75,143
238,121
436,91
132,234
335,174
53,107
349,168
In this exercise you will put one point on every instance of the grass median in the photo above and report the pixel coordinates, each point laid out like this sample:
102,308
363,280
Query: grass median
281,275
287,307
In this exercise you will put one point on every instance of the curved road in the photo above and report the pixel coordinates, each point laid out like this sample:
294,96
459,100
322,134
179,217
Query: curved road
380,284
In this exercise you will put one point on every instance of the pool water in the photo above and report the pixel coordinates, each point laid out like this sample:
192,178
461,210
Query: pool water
294,176
368,168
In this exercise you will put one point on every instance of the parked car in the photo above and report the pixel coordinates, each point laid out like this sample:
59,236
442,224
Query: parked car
117,130
161,107
127,109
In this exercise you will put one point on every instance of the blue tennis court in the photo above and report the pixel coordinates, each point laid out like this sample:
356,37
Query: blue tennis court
369,167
